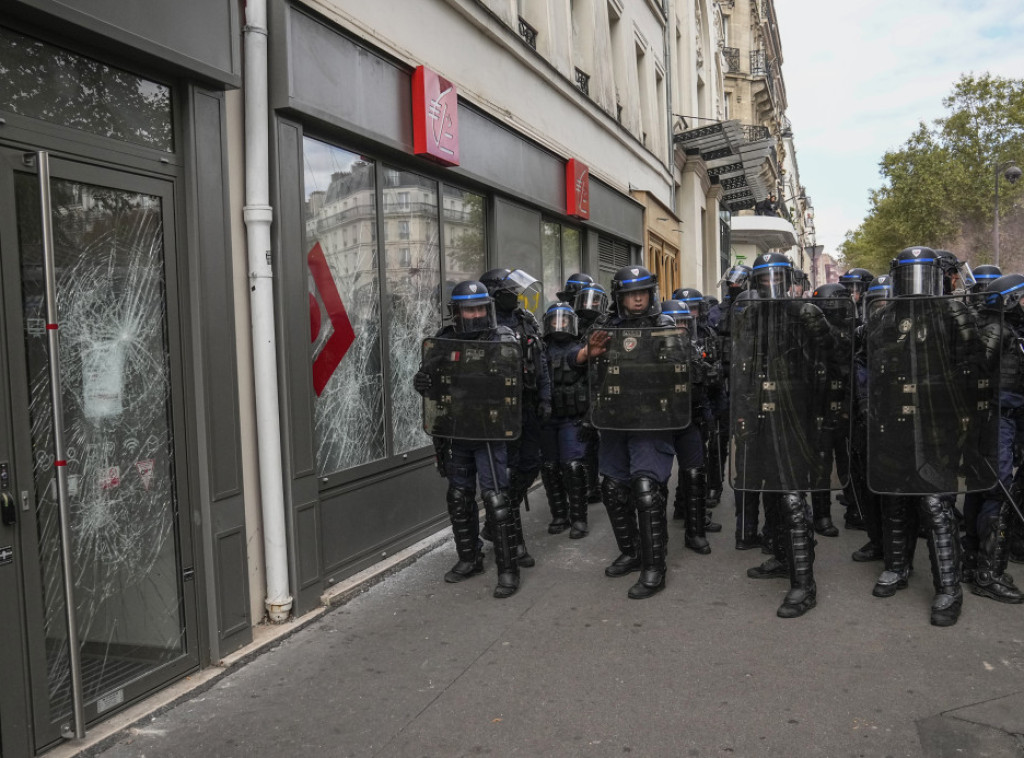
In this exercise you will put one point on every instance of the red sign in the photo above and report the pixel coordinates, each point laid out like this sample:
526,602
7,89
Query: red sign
577,189
435,117
342,335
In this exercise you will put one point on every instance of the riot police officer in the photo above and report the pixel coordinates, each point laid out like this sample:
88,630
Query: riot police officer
779,400
505,286
463,463
986,543
984,275
564,471
922,349
635,465
690,505
857,281
591,306
573,284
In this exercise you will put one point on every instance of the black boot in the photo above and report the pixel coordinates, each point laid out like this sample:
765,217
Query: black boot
576,490
747,537
465,528
991,579
776,567
498,507
622,518
551,475
821,505
649,501
896,546
523,557
802,595
714,466
695,484
944,554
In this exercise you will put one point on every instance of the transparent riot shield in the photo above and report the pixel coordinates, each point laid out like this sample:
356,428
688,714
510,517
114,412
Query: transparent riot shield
476,389
790,393
932,398
642,382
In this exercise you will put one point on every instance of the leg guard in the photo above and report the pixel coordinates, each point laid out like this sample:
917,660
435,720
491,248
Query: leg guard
593,485
802,595
465,528
500,512
551,475
622,517
746,520
523,557
896,539
649,499
695,484
944,553
821,505
576,485
774,543
991,579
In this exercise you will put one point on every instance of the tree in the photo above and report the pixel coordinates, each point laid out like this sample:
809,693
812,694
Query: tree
939,187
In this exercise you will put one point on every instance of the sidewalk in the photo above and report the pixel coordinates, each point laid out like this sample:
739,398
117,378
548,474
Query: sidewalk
570,667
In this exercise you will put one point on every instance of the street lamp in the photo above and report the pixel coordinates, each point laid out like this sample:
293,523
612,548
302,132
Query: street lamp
1012,172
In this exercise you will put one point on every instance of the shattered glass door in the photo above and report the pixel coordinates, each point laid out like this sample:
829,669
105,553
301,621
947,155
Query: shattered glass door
131,594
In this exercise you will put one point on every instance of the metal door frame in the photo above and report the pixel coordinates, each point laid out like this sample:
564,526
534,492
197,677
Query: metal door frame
35,704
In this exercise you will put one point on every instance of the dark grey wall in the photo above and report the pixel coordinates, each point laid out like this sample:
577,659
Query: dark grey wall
220,459
197,36
516,236
616,214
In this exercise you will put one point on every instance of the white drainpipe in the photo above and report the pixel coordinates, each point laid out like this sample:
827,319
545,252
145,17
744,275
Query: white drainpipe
258,215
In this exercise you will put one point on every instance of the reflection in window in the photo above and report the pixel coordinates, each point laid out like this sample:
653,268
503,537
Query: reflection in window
412,286
551,256
344,302
572,251
57,86
464,237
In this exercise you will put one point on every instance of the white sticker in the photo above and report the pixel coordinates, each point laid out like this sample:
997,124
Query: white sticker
102,379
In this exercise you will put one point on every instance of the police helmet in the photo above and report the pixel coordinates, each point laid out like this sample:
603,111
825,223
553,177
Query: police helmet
679,311
506,285
694,300
744,299
916,271
561,319
591,301
834,300
574,284
881,288
857,281
632,279
471,308
772,275
952,269
801,282
984,274
733,281
1005,293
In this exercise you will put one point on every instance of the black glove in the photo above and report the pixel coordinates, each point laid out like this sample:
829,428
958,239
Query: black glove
421,382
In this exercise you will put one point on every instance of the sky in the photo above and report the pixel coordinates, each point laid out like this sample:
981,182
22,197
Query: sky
861,75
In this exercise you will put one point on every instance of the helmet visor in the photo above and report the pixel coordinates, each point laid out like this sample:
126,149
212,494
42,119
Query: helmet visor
967,278
561,321
591,302
522,282
917,279
773,281
470,316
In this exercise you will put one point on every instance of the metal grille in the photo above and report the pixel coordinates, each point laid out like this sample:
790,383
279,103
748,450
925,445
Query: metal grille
732,58
758,65
528,33
755,133
583,82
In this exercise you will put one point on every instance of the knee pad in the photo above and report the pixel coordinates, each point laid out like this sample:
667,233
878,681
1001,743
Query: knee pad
460,502
646,493
791,509
614,491
497,503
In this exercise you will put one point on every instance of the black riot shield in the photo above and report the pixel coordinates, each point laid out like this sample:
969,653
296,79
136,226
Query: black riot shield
642,382
476,389
932,398
790,393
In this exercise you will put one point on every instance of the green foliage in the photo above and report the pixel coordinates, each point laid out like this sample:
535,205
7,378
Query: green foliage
939,187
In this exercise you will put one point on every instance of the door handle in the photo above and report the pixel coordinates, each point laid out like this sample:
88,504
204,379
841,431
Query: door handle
8,509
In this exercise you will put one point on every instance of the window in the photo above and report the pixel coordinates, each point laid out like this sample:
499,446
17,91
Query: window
561,254
403,230
345,325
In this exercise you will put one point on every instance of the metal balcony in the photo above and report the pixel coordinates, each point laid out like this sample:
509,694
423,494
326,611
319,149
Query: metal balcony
732,59
758,64
583,82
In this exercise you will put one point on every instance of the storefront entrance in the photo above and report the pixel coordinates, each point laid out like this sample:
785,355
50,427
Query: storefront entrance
129,553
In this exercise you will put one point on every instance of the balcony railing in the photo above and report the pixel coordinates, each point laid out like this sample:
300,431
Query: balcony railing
528,33
752,133
758,64
732,59
583,82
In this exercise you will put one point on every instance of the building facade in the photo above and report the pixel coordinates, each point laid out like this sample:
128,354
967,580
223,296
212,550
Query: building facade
137,542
